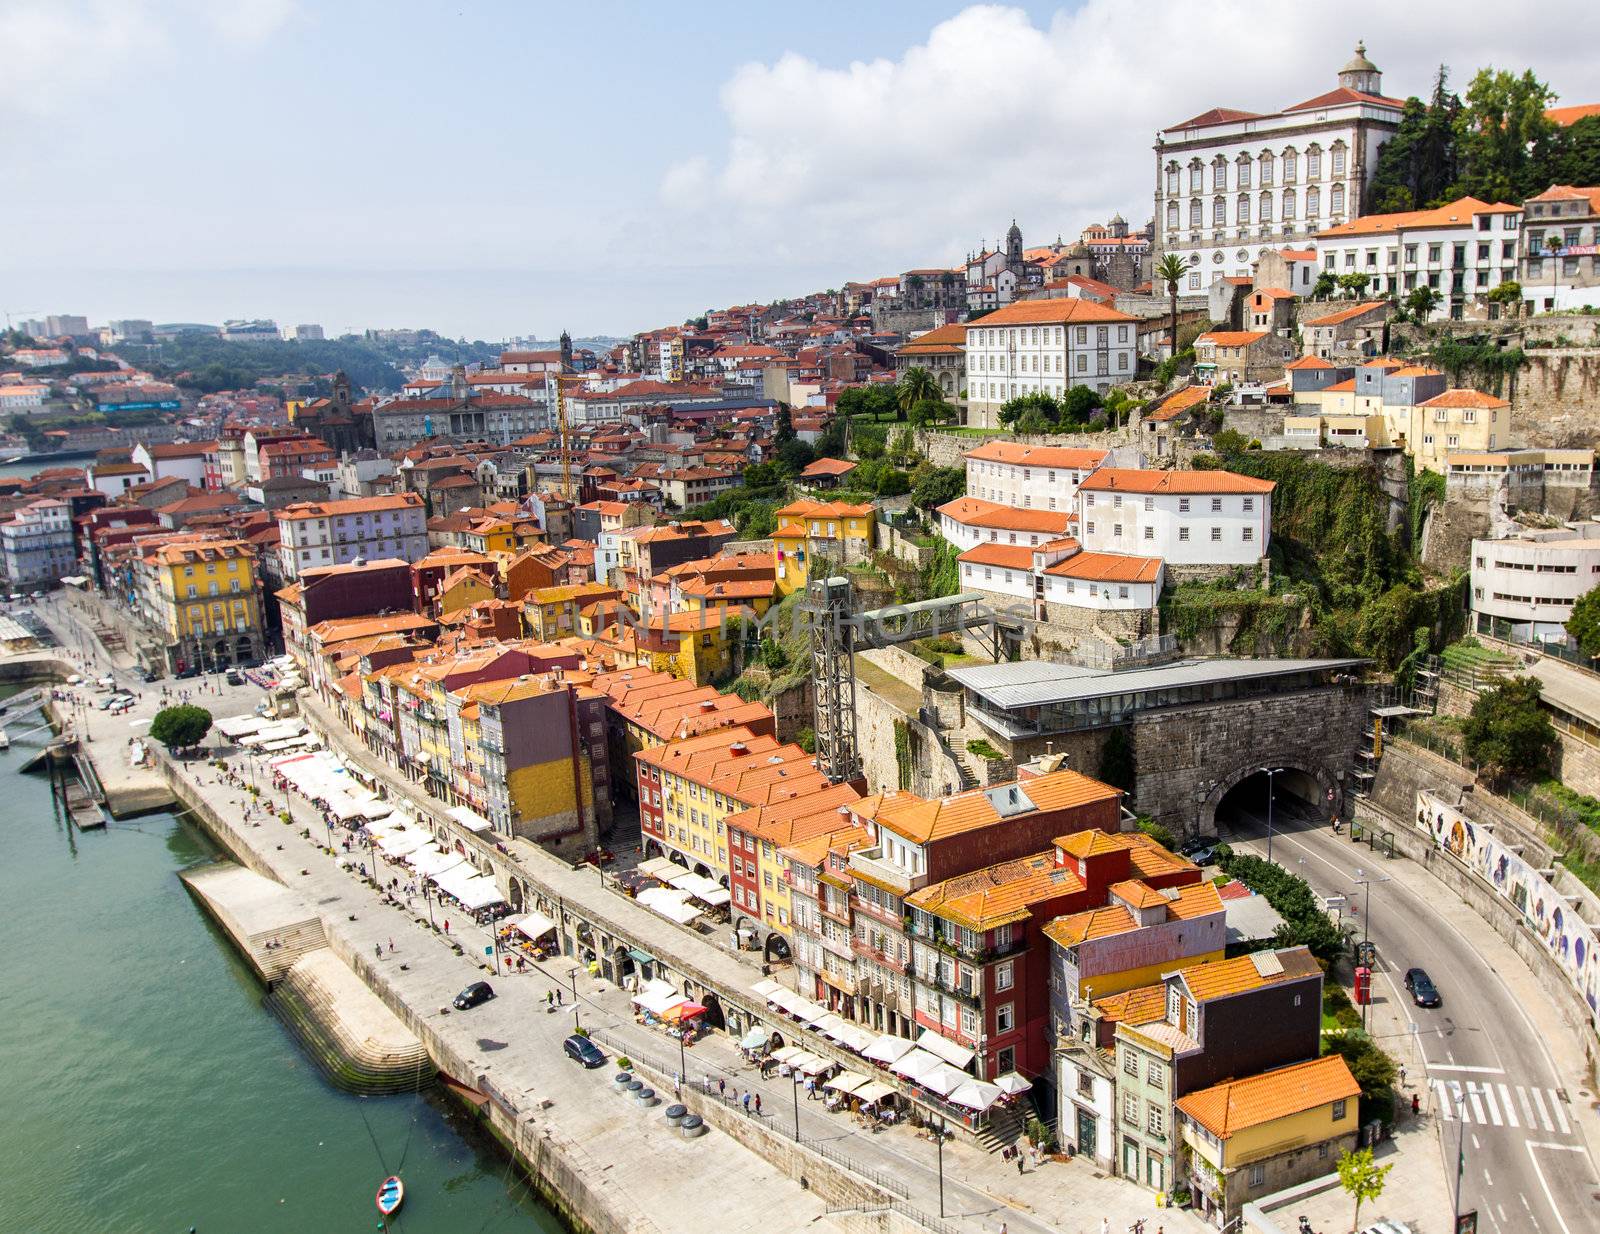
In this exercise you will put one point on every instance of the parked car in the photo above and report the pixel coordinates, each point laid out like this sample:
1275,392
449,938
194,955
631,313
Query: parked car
147,675
235,677
580,1049
475,995
1423,992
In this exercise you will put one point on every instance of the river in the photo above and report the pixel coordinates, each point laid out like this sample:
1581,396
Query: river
146,1087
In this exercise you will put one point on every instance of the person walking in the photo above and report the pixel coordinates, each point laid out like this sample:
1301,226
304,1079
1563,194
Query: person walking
747,1103
757,1104
1022,1165
722,1087
377,950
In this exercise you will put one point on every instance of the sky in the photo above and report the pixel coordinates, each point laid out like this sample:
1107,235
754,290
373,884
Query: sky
502,169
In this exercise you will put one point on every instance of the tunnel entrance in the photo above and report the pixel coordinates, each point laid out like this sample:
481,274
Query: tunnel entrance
1298,800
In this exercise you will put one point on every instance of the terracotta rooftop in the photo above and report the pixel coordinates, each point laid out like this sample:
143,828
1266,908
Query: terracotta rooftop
1236,1105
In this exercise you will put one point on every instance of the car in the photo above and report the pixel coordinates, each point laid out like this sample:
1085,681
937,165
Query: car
189,670
581,1050
147,675
1423,992
38,595
475,995
235,677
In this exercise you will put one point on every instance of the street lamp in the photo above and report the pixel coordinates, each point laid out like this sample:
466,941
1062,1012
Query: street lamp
1366,880
939,1135
794,1089
1269,772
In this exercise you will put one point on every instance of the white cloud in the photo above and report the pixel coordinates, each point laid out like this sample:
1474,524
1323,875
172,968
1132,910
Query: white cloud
918,159
63,56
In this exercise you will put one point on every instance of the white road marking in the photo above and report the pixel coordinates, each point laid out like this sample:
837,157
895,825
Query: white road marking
1561,1115
1487,1181
1549,1199
1544,1118
1527,1106
1477,1106
1478,1070
1557,1148
1510,1106
1489,1102
1442,1095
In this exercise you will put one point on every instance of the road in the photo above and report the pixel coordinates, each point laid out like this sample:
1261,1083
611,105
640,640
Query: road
1502,1101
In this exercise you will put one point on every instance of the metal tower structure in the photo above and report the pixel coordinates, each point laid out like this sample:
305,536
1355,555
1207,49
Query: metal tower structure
833,678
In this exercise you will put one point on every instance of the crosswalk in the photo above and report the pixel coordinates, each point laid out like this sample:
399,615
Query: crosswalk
1490,1104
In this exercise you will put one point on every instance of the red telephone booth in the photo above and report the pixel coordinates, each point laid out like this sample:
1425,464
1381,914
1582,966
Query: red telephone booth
1363,990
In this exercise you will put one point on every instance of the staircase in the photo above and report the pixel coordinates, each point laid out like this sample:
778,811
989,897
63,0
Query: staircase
1006,1125
290,944
353,1051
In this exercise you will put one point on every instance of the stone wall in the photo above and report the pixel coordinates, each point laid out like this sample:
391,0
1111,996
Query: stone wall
1450,528
1580,766
1555,398
892,540
947,449
1187,759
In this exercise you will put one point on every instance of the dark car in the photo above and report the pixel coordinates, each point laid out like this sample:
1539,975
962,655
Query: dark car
235,677
147,675
187,671
475,995
1423,992
580,1049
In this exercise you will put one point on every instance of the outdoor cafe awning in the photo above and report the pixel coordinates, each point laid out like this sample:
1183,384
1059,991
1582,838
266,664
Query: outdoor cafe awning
763,987
846,1082
888,1049
534,926
956,1055
917,1064
656,996
975,1094
670,903
754,1039
660,867
1012,1084
874,1091
811,1064
469,818
945,1079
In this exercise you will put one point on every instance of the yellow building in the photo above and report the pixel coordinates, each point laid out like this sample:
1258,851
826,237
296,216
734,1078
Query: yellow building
462,589
1455,422
758,837
551,613
209,608
501,535
1259,1135
837,531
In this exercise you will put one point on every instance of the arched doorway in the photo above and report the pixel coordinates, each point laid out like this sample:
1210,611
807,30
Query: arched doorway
714,1017
775,948
678,858
514,896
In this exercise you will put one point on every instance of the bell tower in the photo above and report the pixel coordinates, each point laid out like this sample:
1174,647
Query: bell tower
1361,74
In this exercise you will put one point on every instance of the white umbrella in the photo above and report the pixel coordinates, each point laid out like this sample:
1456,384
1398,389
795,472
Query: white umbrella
887,1049
1012,1084
975,1094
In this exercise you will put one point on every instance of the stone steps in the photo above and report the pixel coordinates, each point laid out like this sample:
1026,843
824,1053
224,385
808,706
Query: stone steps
357,1042
292,942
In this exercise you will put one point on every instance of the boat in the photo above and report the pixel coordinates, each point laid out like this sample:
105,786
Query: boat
391,1195
5,741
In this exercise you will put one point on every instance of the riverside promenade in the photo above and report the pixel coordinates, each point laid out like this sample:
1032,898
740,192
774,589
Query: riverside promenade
640,1173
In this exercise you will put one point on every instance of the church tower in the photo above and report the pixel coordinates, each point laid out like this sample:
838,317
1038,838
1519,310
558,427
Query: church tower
566,352
1014,248
1361,74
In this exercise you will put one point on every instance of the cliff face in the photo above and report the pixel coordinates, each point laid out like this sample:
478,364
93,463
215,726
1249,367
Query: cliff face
1555,398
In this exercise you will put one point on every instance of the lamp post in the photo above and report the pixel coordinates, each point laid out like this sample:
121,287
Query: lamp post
794,1090
1366,880
572,976
939,1134
1270,772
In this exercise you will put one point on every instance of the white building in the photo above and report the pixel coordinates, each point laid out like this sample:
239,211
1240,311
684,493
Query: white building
1232,184
1060,572
970,521
1187,518
1045,346
1463,251
260,331
1027,476
184,459
1524,587
1561,249
334,533
23,396
37,543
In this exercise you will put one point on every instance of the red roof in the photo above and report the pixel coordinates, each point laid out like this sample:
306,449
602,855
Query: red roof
1217,115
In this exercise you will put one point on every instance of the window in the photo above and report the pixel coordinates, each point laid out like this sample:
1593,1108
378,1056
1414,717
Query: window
1249,504
1266,168
1130,1063
1194,212
1005,1018
1156,1119
1291,166
1249,533
1149,532
1265,202
1243,209
1183,533
1219,212
1172,216
1313,163
1336,199
1258,1175
1289,208
1243,172
1338,161
1004,975
1338,1110
1130,1109
1183,505
1216,534
1313,202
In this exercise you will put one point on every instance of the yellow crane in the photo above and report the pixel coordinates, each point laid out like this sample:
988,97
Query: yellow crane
565,436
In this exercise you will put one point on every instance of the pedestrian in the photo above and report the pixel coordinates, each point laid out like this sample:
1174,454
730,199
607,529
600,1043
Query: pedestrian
746,1100
811,1088
758,1105
446,920
1416,1105
1402,1075
391,946
722,1087
377,949
1002,1227
1022,1166
1105,1225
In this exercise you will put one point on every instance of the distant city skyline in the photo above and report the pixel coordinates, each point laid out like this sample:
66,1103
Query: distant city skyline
173,160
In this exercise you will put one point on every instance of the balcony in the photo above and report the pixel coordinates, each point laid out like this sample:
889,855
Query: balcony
976,955
956,989
868,952
870,862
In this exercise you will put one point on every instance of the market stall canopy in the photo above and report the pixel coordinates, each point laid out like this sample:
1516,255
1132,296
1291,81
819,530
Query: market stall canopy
706,890
1012,1084
956,1055
763,987
684,1010
469,818
754,1039
811,1064
659,998
846,1082
873,1092
975,1094
917,1064
670,903
234,727
887,1049
852,1037
660,867
945,1079
430,860
788,1052
534,926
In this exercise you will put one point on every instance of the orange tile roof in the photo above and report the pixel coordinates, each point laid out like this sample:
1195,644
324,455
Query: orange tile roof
1006,556
1017,454
975,512
1180,401
1232,338
1049,312
1308,362
1465,398
1226,978
1457,213
1140,1005
825,509
1571,115
829,467
1135,480
1235,1105
921,820
997,894
945,340
1347,386
1349,313
1108,568
1416,370
355,505
794,819
1093,923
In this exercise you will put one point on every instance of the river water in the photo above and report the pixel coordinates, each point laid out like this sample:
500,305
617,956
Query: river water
143,1086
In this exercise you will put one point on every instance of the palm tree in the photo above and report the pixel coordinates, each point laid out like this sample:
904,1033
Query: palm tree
915,386
1170,270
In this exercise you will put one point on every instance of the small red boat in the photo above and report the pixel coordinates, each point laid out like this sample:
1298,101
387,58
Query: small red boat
391,1195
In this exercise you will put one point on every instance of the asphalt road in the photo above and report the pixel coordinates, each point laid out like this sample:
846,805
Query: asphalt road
1502,1101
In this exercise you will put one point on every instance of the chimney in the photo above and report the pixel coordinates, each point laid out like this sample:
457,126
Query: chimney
737,747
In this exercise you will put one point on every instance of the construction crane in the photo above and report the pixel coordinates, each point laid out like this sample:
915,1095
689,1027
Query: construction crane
561,428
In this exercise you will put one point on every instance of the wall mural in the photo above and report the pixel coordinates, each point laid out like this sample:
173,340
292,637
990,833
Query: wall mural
1542,908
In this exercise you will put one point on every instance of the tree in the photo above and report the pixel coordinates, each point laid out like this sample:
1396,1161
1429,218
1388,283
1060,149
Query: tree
180,728
1011,412
1575,158
1079,404
933,486
1584,624
877,400
1370,1068
1170,270
1361,1179
1355,284
1327,284
1421,302
1504,139
1508,733
1507,295
795,456
784,430
1417,165
917,385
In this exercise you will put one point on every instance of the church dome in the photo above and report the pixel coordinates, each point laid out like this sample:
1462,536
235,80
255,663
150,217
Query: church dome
1359,63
